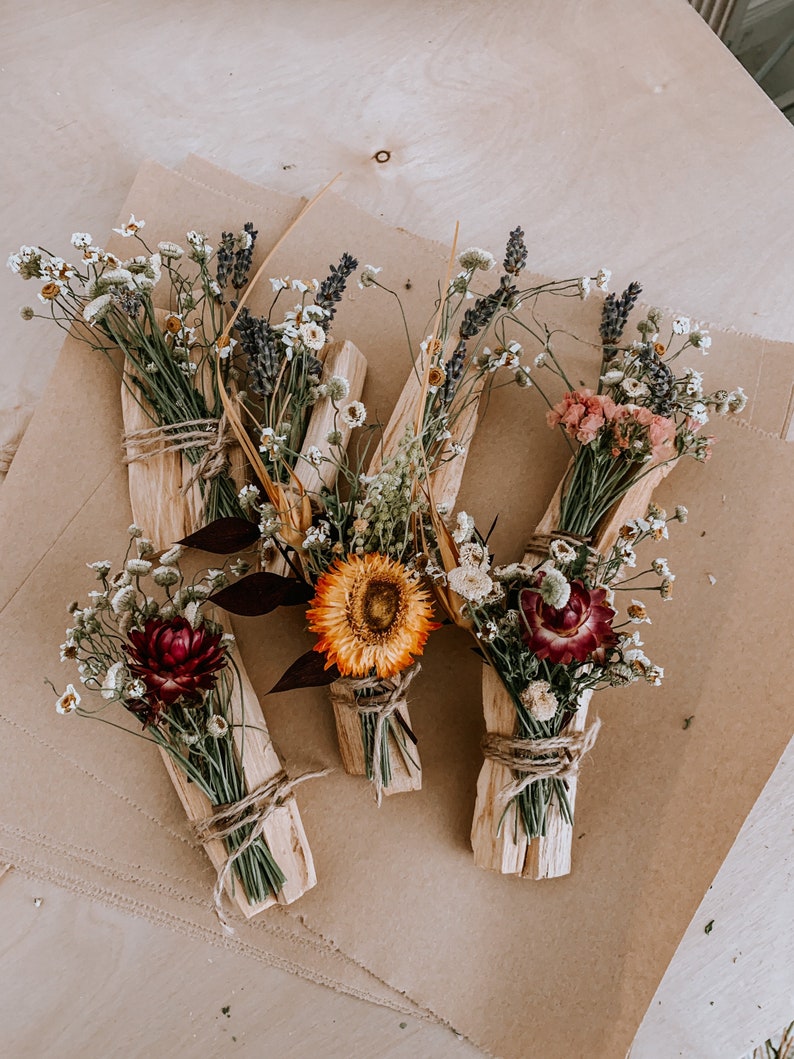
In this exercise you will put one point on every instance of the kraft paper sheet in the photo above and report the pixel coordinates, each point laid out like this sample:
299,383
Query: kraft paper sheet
557,968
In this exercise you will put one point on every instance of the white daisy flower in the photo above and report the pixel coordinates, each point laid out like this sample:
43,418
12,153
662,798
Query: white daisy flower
354,414
131,227
312,336
603,276
69,701
681,325
81,240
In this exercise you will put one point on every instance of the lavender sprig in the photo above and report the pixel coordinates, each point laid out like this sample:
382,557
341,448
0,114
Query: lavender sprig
332,287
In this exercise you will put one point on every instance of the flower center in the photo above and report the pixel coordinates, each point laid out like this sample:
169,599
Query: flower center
375,608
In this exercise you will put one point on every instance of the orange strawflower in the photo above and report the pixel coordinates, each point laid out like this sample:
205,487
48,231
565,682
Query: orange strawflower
368,615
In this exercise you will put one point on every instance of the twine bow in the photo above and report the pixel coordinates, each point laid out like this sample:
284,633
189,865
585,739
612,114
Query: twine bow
388,695
557,757
254,810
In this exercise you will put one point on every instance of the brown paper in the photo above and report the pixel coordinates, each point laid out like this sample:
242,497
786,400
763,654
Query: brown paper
558,968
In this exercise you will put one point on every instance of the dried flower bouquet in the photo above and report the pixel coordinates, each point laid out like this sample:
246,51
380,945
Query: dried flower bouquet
547,626
164,659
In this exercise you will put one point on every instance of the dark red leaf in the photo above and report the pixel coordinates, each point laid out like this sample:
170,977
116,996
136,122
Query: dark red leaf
223,536
307,672
260,593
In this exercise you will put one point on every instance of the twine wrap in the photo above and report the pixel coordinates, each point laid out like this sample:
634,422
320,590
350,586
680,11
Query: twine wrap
253,810
214,436
557,757
388,696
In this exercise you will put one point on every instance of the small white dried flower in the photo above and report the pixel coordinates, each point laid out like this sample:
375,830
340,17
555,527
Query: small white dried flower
540,700
554,588
170,251
603,276
165,576
470,582
69,701
123,600
637,612
584,288
98,308
248,497
681,325
144,547
737,400
464,527
701,340
312,336
217,726
634,388
612,378
270,443
138,567
660,567
192,613
314,456
337,388
172,556
474,258
472,554
240,567
81,240
102,568
562,552
114,680
354,414
131,227
368,276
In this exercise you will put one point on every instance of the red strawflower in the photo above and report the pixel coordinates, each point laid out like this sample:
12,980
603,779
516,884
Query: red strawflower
174,660
574,631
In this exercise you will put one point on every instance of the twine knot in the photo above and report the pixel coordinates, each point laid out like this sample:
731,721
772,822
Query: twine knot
556,757
213,436
380,698
253,810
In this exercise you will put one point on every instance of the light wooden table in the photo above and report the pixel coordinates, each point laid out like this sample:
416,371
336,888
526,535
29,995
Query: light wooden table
618,133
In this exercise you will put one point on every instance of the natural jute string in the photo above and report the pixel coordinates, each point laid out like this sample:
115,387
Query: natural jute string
389,695
253,810
214,436
557,757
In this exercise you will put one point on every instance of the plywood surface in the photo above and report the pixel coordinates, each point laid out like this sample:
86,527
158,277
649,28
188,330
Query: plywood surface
618,133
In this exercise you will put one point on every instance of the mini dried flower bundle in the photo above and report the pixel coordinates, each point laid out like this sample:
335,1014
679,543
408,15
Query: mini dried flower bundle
549,627
642,415
163,659
113,304
553,631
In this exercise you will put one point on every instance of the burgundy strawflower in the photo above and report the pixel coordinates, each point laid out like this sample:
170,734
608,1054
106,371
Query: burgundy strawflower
571,632
174,660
